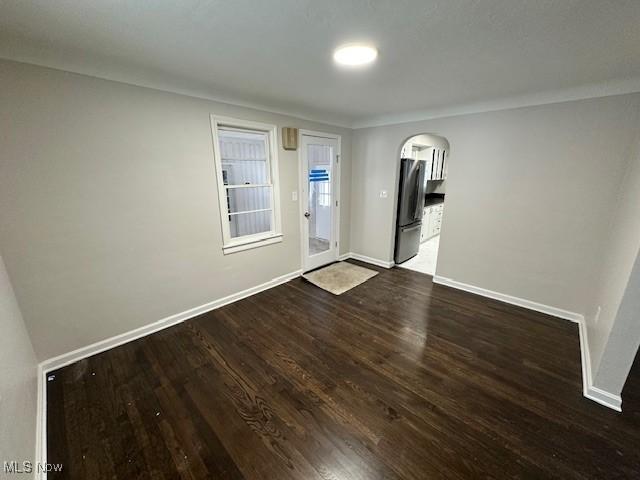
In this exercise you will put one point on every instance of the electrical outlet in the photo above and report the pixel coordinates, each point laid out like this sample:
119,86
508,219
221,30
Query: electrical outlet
383,194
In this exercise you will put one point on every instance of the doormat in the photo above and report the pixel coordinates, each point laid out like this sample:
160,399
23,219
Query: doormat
339,277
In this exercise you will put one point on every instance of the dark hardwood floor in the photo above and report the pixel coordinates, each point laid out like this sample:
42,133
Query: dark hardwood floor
397,378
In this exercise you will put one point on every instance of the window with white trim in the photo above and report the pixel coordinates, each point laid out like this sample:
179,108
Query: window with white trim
247,171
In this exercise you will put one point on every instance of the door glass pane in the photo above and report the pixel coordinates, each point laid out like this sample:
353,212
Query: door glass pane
241,224
243,157
320,165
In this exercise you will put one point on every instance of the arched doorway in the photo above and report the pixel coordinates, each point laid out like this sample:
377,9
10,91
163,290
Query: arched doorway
420,203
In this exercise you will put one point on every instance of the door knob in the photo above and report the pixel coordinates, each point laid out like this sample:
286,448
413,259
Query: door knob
307,214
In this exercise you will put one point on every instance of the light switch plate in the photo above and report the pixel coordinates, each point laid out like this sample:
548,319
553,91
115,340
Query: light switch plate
294,196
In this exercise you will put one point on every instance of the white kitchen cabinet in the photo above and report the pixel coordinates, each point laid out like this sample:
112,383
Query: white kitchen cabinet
437,164
431,221
424,231
434,157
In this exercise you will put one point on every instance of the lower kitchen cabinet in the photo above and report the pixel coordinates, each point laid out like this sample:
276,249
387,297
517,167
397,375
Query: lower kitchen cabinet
431,221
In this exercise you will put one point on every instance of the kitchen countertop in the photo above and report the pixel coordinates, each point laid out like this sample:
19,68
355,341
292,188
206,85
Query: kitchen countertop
432,200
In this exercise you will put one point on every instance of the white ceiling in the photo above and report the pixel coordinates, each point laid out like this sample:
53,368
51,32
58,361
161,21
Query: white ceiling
276,54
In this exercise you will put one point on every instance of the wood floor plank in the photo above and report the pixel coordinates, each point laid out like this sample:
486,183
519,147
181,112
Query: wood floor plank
397,378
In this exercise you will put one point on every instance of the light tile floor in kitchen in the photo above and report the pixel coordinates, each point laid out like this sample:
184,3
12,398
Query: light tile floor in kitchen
426,259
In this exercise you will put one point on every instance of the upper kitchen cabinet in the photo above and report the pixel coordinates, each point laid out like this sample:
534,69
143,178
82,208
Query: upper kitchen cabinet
436,163
436,158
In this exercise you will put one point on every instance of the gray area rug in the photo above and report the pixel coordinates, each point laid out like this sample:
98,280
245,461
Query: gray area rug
339,277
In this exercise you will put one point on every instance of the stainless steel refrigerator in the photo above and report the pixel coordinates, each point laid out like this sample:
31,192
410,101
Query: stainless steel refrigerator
410,208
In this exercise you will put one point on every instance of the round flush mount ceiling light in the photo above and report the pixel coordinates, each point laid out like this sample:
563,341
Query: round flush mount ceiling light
355,55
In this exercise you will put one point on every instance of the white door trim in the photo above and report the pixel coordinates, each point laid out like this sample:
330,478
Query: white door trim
301,180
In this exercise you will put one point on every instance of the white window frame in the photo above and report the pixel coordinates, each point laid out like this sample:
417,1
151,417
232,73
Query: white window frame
246,242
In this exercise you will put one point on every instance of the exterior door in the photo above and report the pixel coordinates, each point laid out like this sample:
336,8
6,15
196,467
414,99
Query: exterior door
319,181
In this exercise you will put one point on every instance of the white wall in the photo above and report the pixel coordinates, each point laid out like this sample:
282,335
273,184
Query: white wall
529,194
110,213
18,386
110,217
615,336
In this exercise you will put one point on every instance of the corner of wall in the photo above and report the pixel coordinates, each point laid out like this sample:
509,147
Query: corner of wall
590,391
624,337
615,333
19,415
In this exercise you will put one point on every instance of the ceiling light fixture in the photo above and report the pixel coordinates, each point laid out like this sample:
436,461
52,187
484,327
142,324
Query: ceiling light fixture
354,55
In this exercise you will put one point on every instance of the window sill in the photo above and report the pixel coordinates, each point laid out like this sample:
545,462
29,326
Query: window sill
241,245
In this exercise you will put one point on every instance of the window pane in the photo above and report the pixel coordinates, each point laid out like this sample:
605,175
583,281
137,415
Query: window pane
248,198
249,223
244,157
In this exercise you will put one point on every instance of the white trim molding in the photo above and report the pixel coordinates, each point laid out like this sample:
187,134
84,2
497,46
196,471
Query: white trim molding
248,245
520,302
336,201
41,423
583,92
71,357
112,342
364,258
119,75
590,391
238,126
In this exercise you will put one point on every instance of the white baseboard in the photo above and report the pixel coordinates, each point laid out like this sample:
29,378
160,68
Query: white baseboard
108,343
68,358
520,302
41,424
363,258
589,390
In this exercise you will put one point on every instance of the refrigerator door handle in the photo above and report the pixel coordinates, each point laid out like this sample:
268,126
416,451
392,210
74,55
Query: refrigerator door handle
410,229
419,193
